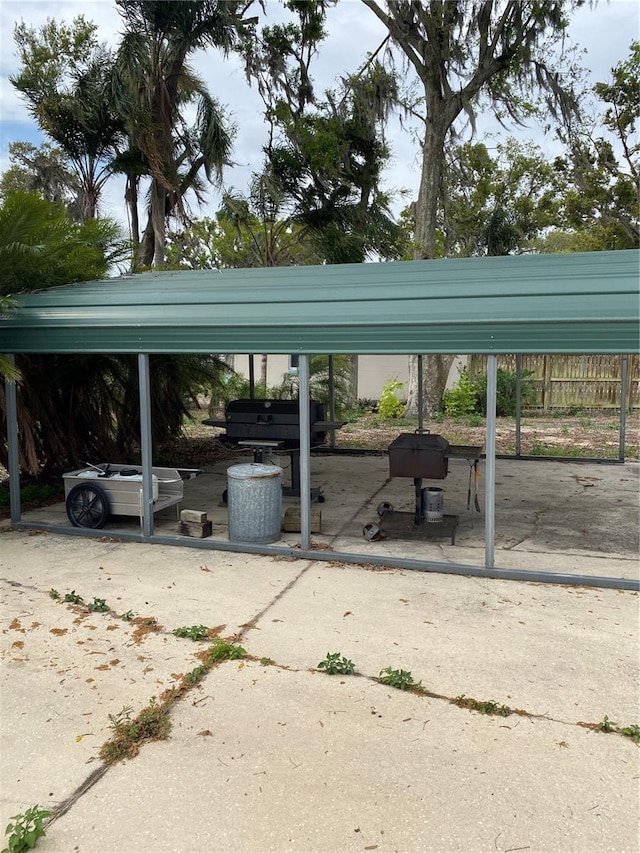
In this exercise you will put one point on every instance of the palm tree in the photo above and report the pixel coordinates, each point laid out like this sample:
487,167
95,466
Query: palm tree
65,79
152,86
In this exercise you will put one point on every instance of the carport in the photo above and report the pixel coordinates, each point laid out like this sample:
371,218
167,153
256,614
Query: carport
575,304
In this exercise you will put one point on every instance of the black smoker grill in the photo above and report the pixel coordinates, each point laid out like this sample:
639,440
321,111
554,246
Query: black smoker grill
426,456
266,425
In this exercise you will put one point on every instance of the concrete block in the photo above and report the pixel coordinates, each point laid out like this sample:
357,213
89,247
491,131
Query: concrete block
193,515
195,530
291,520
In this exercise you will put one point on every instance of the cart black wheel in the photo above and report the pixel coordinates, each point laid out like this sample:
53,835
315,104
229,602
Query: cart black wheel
87,506
225,496
321,499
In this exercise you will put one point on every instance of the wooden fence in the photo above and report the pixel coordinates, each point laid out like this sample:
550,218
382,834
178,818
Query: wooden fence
573,381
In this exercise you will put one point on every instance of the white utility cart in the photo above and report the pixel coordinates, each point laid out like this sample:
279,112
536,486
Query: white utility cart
94,493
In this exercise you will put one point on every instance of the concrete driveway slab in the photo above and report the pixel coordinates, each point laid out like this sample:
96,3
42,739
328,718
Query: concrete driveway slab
270,760
276,756
567,652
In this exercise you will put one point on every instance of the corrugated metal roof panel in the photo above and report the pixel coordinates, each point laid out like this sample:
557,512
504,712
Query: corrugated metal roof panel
545,303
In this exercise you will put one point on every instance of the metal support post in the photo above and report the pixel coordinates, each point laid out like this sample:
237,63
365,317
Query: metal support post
518,402
332,402
305,453
13,458
490,472
624,380
146,450
420,397
252,377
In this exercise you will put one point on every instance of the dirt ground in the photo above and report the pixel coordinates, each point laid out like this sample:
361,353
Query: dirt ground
591,434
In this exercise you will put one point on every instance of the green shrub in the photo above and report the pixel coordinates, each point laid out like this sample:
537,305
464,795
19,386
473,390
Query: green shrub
389,405
462,399
506,392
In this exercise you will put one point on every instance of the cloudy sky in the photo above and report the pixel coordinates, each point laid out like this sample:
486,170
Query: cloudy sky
604,30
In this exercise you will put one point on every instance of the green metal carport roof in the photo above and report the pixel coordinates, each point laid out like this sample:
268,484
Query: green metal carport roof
572,303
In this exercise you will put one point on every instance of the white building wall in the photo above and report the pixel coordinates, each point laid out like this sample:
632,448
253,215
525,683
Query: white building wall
373,371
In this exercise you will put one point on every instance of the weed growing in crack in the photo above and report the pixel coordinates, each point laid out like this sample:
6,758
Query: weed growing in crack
128,616
25,829
195,632
98,605
336,664
266,661
401,679
221,650
489,707
607,725
196,675
632,731
73,598
53,593
152,723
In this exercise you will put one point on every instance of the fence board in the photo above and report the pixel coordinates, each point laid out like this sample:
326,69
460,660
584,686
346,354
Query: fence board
573,381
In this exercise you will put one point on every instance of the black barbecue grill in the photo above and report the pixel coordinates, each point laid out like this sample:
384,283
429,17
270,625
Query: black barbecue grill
267,425
426,456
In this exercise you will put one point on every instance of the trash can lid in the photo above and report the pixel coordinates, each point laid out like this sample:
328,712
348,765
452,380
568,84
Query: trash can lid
250,470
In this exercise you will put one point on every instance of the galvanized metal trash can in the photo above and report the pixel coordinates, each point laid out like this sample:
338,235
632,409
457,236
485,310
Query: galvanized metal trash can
254,499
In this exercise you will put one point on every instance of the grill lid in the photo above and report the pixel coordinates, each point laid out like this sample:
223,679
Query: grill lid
424,442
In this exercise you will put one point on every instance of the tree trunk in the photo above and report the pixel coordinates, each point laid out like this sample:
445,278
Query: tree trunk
131,199
146,248
435,367
158,221
263,369
435,371
352,387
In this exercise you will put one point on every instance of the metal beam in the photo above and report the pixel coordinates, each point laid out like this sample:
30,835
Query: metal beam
624,377
332,401
490,464
13,455
420,396
305,452
252,377
533,576
518,402
146,446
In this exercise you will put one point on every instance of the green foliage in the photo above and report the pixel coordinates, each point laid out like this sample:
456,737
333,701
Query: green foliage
319,382
40,247
506,392
607,725
195,632
53,593
232,386
462,399
98,605
401,679
469,394
73,598
65,77
222,650
336,664
489,707
389,404
196,675
33,493
25,829
128,616
152,723
632,731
